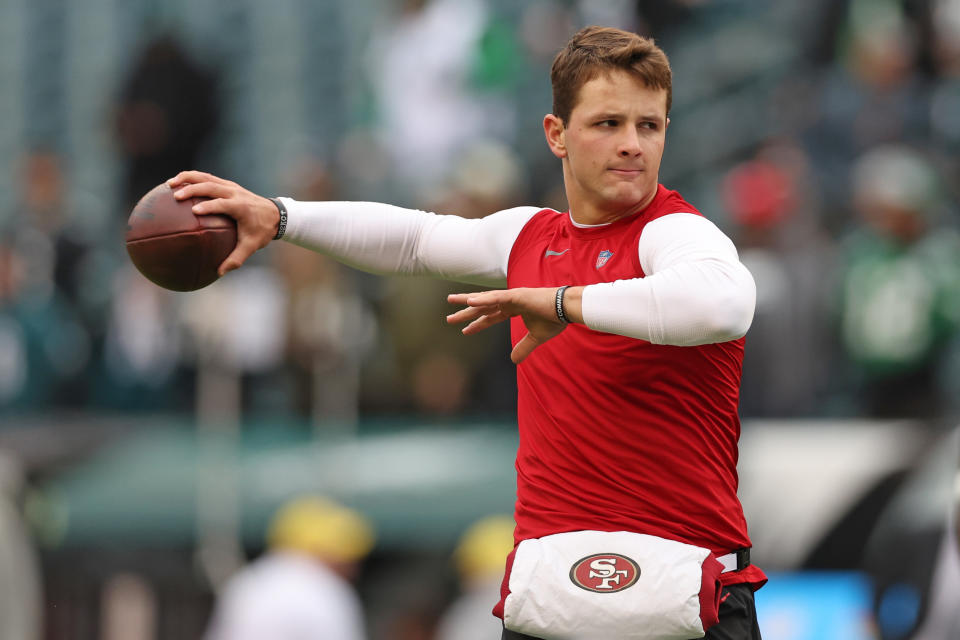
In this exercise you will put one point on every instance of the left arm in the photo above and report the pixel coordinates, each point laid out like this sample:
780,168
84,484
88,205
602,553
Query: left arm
696,291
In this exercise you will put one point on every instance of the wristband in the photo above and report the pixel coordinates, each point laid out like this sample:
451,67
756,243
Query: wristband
282,225
558,301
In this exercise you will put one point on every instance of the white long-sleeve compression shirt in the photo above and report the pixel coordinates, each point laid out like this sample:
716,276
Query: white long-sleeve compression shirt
696,290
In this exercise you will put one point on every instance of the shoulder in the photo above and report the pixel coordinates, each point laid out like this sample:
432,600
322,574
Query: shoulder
521,214
516,219
539,214
688,233
667,202
523,211
538,219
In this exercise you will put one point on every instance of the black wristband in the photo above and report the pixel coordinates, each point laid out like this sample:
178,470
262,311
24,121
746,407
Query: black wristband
558,301
282,225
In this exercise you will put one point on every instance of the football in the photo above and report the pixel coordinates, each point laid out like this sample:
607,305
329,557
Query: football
173,247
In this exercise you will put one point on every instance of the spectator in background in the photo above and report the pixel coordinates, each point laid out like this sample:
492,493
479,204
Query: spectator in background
874,95
140,368
772,201
480,558
167,111
425,69
44,210
330,327
899,303
301,588
15,366
660,18
21,595
451,375
46,339
945,101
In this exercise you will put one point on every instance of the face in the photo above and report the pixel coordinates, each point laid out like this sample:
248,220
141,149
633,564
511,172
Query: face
611,147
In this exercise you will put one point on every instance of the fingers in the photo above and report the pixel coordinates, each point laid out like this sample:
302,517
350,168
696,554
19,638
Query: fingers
237,257
459,298
523,348
470,313
480,316
254,226
481,298
478,305
497,297
185,177
216,205
203,190
485,322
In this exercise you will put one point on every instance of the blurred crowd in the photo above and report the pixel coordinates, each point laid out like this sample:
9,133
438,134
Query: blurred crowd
823,138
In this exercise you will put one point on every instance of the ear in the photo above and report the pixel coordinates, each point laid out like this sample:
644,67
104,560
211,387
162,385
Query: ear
554,130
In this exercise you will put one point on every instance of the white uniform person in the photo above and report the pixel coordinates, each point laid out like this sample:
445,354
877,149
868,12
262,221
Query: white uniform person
300,589
480,558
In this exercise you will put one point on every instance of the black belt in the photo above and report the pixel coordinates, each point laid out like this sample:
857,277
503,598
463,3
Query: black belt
735,560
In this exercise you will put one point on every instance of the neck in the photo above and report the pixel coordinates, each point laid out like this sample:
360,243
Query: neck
592,214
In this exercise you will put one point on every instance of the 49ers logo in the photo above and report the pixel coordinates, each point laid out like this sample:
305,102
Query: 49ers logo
605,573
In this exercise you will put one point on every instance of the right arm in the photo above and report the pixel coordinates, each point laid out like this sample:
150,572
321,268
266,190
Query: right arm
382,238
374,237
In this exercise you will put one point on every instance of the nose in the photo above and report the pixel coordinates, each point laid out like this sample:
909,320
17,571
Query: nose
629,143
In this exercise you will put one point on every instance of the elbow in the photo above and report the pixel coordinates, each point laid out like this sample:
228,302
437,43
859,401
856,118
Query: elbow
731,309
730,319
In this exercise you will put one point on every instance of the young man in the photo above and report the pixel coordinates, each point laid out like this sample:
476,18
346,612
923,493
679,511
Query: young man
627,314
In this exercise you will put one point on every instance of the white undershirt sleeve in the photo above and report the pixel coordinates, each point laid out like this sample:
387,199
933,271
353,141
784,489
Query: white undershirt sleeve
696,290
382,238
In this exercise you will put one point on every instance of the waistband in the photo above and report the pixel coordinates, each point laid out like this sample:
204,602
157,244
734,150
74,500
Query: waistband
735,561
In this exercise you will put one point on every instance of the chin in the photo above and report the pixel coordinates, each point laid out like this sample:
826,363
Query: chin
625,199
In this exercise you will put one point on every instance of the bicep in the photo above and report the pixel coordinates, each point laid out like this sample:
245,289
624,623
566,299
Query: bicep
695,289
472,250
683,238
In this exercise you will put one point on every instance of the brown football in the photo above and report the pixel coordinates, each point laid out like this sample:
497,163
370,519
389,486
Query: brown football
173,247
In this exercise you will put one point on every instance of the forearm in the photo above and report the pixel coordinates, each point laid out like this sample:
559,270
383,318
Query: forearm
374,237
382,238
687,305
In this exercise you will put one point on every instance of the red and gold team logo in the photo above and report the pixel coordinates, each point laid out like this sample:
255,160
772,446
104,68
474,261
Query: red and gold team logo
605,573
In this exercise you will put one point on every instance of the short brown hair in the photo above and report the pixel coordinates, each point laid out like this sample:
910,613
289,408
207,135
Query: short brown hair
595,50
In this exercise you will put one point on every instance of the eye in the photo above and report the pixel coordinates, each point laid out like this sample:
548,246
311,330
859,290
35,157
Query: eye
608,123
650,124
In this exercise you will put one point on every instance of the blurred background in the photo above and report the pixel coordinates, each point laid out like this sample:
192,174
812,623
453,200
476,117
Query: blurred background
148,437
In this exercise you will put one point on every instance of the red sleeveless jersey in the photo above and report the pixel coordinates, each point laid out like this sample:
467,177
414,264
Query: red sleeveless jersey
616,433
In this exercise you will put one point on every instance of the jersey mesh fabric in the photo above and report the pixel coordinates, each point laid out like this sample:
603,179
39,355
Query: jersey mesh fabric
616,433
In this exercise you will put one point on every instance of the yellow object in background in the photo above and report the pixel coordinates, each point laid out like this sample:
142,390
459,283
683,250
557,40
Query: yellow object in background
484,546
321,527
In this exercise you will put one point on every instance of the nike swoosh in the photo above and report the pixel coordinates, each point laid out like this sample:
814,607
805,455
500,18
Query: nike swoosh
550,252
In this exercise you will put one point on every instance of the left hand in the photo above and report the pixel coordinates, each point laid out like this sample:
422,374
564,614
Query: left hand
487,308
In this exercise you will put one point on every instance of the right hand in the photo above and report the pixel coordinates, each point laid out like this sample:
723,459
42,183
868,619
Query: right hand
257,217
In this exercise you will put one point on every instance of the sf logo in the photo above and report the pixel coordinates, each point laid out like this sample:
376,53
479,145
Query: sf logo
606,570
605,573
